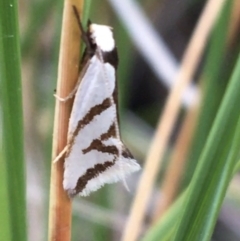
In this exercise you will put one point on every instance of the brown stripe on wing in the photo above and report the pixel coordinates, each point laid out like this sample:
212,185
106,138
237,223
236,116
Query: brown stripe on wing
110,133
92,173
99,146
96,171
95,110
126,153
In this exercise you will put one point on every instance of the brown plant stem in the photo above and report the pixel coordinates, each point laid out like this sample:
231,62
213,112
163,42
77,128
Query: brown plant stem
159,143
60,210
234,22
177,163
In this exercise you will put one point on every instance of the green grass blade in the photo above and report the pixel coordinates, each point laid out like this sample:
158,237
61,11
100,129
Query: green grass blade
237,168
5,227
214,86
11,105
164,229
214,170
86,11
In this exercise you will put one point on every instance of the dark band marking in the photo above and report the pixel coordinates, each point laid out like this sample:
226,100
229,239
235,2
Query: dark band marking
99,146
110,133
95,110
115,96
111,57
96,171
92,173
126,153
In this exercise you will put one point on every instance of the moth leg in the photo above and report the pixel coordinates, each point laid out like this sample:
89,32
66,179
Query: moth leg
69,96
60,155
73,92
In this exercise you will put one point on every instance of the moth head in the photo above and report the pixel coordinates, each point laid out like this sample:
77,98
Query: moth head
102,36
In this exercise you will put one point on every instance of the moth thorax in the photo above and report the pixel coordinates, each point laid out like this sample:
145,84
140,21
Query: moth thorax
102,36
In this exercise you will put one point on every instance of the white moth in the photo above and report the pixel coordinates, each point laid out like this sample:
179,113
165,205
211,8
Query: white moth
95,154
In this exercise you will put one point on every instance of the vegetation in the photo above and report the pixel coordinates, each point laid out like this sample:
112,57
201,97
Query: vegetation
193,185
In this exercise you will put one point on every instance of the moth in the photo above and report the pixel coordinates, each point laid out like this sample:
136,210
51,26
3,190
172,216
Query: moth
95,154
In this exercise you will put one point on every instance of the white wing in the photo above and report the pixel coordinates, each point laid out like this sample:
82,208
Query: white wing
95,155
92,90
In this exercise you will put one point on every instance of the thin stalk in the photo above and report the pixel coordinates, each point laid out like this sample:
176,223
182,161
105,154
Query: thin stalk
60,204
234,22
174,172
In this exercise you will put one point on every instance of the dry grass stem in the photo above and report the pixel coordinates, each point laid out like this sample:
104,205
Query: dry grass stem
177,163
159,143
235,21
60,205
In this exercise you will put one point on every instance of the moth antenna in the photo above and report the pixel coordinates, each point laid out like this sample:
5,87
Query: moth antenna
84,35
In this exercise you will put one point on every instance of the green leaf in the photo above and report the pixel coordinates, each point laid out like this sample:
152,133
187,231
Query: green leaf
164,229
5,230
214,78
215,168
237,168
13,217
86,11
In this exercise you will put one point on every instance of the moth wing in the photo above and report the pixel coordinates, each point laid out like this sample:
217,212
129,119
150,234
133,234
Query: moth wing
122,167
90,163
92,90
76,162
96,168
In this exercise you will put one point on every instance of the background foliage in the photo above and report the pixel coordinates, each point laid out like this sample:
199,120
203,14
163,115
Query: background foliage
206,204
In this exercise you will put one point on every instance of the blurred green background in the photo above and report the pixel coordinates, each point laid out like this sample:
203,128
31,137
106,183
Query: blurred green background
143,89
